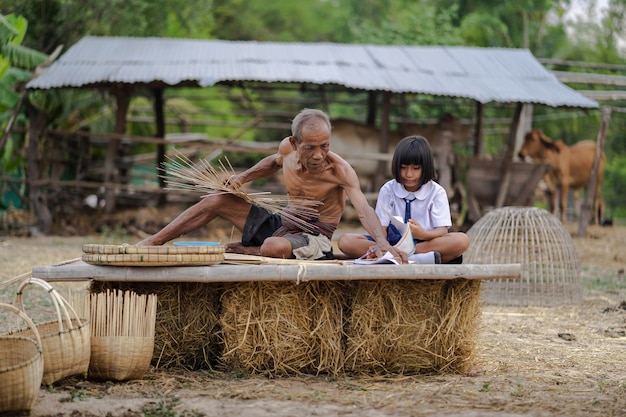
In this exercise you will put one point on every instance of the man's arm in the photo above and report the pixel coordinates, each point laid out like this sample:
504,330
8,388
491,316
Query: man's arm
265,167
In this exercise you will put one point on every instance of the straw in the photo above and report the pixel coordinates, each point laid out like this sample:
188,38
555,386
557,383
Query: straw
122,331
202,177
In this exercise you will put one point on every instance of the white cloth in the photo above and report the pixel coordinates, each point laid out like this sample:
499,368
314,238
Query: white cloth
423,258
431,207
318,244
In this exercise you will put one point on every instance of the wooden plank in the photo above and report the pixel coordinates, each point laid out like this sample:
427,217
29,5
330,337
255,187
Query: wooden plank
586,78
81,271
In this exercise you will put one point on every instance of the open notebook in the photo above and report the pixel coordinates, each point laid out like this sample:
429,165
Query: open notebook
405,244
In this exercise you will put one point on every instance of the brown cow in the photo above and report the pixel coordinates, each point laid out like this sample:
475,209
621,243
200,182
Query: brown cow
359,144
570,167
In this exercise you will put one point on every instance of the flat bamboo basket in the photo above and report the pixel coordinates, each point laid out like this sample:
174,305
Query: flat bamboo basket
21,367
122,334
127,255
65,341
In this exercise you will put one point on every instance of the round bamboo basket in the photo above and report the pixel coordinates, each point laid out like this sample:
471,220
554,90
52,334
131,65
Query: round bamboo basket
127,255
120,358
122,334
65,341
21,367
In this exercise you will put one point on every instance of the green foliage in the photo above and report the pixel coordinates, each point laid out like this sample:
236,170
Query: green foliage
614,188
75,396
9,28
165,408
8,96
16,62
12,32
485,29
278,20
416,23
539,25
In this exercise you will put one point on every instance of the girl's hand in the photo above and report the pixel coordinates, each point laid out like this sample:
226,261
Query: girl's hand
417,231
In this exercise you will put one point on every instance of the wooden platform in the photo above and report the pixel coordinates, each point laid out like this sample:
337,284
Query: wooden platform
289,317
296,271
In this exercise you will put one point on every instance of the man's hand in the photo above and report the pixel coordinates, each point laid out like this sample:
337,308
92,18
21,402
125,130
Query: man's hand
398,254
232,181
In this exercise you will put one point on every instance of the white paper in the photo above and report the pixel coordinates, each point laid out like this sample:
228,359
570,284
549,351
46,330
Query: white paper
387,258
405,244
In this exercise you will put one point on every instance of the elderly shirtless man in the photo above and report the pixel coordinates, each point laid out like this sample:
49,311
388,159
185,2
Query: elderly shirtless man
310,171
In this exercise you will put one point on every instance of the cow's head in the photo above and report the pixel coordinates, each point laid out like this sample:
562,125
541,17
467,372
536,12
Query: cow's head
536,144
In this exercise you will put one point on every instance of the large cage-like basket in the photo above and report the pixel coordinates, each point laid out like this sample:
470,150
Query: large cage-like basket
541,243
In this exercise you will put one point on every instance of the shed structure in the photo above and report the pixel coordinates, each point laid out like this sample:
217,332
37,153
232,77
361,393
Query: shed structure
485,75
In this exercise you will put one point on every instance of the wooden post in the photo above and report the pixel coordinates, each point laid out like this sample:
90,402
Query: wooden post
588,204
160,133
384,141
372,105
37,199
508,158
479,146
122,96
525,124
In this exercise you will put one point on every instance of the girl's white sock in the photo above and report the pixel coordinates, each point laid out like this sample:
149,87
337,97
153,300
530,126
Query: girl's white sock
425,258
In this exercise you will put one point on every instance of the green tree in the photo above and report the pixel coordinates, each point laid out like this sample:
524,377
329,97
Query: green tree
409,23
16,65
279,20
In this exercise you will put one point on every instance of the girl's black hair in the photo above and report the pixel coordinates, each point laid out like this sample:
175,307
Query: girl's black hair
413,150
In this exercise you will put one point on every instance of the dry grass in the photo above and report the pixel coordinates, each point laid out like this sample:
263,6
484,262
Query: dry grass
530,361
406,327
277,328
186,322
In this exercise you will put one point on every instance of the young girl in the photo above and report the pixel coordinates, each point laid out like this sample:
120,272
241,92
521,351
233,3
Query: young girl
414,196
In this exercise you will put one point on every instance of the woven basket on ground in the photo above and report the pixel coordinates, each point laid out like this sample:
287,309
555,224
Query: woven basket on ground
122,334
65,340
127,255
541,243
21,367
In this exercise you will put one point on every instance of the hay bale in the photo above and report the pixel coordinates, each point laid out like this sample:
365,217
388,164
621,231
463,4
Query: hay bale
407,327
186,327
281,328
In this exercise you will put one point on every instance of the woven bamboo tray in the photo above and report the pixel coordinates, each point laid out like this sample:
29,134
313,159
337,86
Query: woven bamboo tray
126,255
21,367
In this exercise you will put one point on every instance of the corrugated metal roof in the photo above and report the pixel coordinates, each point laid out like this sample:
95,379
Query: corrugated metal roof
483,74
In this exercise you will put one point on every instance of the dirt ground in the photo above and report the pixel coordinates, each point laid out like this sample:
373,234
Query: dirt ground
532,361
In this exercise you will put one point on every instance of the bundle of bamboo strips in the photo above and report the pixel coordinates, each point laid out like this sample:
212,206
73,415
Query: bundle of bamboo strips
202,177
122,334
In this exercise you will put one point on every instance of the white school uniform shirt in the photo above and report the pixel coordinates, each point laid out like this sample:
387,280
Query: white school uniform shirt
430,207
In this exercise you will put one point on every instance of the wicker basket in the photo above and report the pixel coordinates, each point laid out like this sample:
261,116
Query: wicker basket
120,358
21,367
127,255
541,243
65,341
122,341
